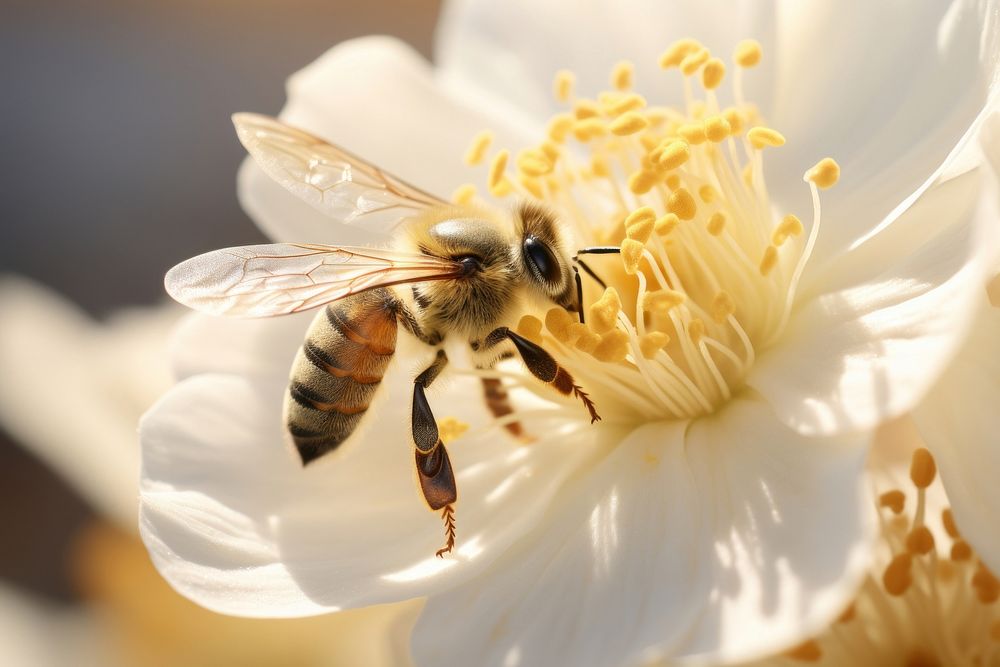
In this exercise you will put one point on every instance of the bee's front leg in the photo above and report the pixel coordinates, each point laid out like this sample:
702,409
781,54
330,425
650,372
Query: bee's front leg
543,366
437,479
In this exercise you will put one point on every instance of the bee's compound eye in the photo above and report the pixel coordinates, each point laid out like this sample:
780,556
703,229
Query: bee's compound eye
542,261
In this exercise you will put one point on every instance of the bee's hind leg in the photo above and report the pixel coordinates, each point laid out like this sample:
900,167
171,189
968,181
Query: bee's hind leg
437,479
543,366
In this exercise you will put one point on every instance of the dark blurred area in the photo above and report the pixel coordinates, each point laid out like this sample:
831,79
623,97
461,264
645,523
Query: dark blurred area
119,160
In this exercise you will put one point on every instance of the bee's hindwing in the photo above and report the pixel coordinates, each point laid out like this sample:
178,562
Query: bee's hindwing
335,374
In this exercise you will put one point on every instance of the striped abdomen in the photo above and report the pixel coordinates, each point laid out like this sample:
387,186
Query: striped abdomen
346,352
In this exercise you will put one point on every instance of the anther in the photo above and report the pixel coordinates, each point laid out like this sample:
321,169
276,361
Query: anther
642,181
477,150
673,181
897,578
682,204
613,346
599,166
652,343
707,194
662,300
789,226
631,255
807,651
604,312
530,184
716,223
824,174
559,127
987,586
722,307
630,102
948,519
735,120
696,329
769,260
629,123
623,75
666,224
563,85
533,162
587,341
920,541
497,168
673,56
747,53
530,327
583,109
639,231
961,551
693,133
717,128
642,214
712,75
464,194
922,468
671,155
765,137
589,128
557,321
691,62
895,500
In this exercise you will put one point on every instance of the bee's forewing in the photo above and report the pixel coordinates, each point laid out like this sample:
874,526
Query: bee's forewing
343,186
278,279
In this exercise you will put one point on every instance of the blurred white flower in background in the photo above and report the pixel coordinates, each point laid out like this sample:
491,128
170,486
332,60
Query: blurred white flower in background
649,535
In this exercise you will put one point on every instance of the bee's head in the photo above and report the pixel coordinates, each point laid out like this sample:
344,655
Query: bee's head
545,265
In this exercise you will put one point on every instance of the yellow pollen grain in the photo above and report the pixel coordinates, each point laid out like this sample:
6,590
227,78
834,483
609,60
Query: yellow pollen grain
717,128
640,231
948,519
497,168
613,347
451,429
628,123
764,137
722,307
477,150
589,128
717,223
712,75
961,551
920,541
673,56
789,226
693,133
769,260
693,61
623,75
662,300
562,87
696,329
586,109
652,343
807,651
673,181
559,127
642,181
735,120
531,184
824,174
557,321
464,194
587,341
895,500
681,203
922,468
666,224
747,53
707,194
671,155
897,578
626,103
631,255
599,166
603,313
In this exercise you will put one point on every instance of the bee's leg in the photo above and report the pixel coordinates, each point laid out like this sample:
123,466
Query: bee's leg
543,366
437,479
498,401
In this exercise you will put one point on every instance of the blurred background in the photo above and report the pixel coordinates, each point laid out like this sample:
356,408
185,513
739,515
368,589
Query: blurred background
119,160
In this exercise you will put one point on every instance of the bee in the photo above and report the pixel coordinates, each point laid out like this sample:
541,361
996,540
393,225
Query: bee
453,273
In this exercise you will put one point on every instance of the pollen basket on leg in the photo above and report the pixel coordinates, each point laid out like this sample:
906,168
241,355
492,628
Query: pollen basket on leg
706,269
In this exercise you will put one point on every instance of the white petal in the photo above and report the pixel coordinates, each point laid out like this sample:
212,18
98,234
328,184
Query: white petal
513,50
73,389
735,538
869,350
889,98
233,521
378,99
960,422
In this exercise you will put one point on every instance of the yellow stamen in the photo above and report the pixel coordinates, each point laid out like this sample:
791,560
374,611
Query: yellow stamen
717,128
502,189
589,128
712,75
640,231
652,343
477,150
987,586
673,56
693,61
613,346
897,577
587,341
922,468
961,551
662,300
629,123
586,109
563,85
531,184
497,168
747,53
557,321
644,214
920,541
666,224
693,133
824,174
707,194
716,223
631,255
623,75
789,226
696,329
604,312
948,519
895,500
559,127
770,259
735,120
673,181
625,103
599,166
682,204
671,155
722,307
642,181
765,137
464,194
533,162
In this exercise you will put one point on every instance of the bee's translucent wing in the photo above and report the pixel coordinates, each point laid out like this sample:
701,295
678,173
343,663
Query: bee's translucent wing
339,184
278,279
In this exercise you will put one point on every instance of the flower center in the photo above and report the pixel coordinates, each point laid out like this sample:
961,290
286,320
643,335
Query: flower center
706,271
927,604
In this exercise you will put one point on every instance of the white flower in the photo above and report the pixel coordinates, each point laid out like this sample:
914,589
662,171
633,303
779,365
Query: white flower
718,510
